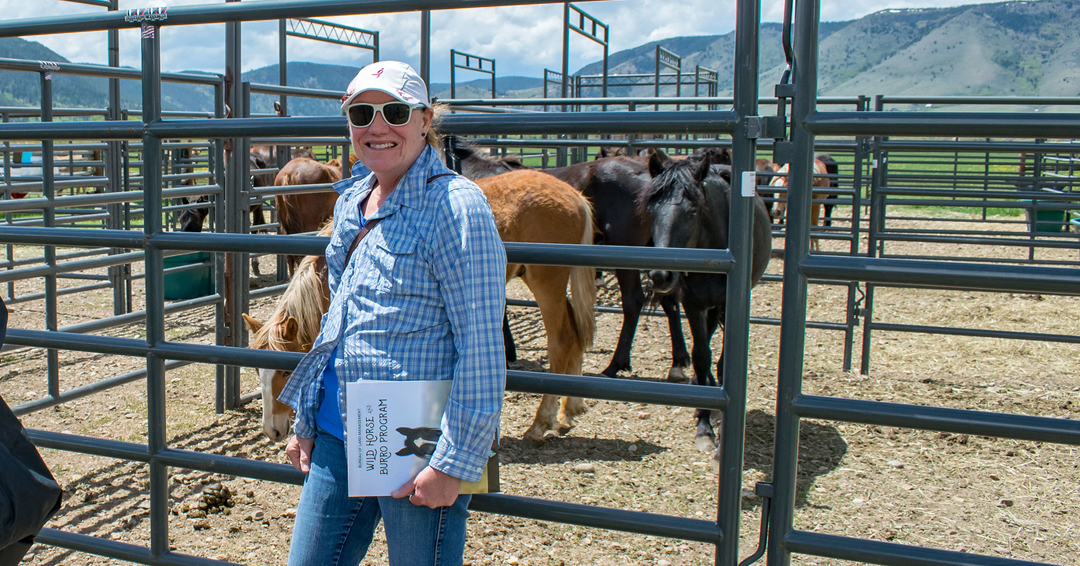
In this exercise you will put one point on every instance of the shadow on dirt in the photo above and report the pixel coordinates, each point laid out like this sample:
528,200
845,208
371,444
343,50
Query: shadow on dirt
820,450
565,449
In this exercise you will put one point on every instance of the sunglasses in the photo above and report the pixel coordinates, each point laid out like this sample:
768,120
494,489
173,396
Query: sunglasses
362,114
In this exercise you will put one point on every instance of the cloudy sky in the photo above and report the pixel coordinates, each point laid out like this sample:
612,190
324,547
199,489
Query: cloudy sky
522,40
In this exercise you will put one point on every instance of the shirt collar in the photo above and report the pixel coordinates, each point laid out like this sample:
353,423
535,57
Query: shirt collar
410,189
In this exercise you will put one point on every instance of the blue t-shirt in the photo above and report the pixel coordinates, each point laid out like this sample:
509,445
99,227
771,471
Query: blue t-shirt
329,416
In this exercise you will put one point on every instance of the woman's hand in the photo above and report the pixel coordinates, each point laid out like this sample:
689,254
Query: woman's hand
299,452
430,488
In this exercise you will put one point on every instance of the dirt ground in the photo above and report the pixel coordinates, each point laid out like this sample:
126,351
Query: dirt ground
975,494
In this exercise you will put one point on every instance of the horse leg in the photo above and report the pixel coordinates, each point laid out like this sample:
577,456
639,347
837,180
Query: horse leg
548,286
257,219
701,354
508,339
815,216
633,299
680,358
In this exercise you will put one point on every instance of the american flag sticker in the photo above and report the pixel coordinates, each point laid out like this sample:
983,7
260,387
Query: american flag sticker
147,31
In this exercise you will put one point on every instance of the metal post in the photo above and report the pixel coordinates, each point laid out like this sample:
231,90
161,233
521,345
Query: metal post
118,274
425,48
155,291
793,317
737,325
48,189
283,68
234,213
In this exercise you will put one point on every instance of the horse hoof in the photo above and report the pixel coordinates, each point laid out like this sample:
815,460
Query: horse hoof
535,434
677,375
705,444
552,434
563,429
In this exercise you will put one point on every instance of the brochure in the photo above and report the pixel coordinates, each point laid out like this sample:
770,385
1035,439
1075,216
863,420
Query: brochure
392,430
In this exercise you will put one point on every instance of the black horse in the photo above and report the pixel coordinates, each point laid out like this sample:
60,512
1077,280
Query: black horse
689,203
613,186
191,220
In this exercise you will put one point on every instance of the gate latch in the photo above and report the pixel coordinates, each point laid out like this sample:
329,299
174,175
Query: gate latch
764,127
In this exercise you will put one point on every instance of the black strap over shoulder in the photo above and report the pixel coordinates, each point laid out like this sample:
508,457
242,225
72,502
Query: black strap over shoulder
371,223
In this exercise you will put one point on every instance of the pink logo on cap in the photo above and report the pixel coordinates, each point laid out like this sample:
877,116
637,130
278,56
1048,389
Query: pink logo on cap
379,73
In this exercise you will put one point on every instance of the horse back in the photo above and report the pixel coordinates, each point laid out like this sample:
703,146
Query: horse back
531,206
612,185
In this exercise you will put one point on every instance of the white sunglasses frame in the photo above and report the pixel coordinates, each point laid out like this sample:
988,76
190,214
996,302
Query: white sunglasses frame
378,110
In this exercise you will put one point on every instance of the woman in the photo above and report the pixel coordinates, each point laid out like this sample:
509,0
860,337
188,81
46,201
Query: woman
419,295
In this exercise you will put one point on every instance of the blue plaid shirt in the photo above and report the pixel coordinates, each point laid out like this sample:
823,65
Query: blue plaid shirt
421,298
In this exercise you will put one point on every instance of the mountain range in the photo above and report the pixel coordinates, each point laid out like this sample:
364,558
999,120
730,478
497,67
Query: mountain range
1004,49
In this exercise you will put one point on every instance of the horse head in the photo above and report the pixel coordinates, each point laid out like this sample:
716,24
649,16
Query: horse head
675,199
291,328
276,415
465,158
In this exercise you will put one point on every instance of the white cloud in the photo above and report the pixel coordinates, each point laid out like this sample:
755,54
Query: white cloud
523,40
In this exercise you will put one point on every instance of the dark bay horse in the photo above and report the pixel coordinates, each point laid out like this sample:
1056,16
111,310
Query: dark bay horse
612,185
689,203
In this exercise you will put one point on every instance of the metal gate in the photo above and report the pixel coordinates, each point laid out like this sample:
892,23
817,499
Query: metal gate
743,123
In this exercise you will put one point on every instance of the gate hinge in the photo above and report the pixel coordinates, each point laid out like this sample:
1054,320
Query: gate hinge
764,127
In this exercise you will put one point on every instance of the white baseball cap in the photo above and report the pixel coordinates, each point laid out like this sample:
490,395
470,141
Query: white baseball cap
392,77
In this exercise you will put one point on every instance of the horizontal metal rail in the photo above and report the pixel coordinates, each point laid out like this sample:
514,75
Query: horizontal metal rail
888,553
942,419
943,275
945,124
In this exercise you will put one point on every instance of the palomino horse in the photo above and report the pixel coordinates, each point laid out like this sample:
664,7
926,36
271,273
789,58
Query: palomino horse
529,206
821,179
305,212
292,327
689,204
612,185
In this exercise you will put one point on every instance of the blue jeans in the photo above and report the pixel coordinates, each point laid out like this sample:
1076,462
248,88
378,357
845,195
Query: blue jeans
332,528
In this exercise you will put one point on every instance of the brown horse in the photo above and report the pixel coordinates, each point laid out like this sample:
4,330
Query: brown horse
305,212
529,206
821,179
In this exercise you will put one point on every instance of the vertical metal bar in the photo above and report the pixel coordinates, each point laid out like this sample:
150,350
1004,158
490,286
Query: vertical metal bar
233,213
283,67
221,328
876,222
857,163
48,189
118,274
736,345
9,249
793,315
155,290
453,75
493,92
425,47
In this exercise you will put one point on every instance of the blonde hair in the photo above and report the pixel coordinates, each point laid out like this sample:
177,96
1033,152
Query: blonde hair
439,109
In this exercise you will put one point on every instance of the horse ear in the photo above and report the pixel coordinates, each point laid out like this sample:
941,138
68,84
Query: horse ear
252,324
656,165
701,170
602,153
290,330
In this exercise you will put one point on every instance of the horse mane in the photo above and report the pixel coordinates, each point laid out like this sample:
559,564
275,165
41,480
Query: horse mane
301,301
682,176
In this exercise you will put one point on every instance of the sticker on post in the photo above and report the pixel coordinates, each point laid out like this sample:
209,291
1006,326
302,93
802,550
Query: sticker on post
749,183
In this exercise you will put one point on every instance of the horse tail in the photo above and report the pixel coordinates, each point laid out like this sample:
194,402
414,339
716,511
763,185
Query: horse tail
583,286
